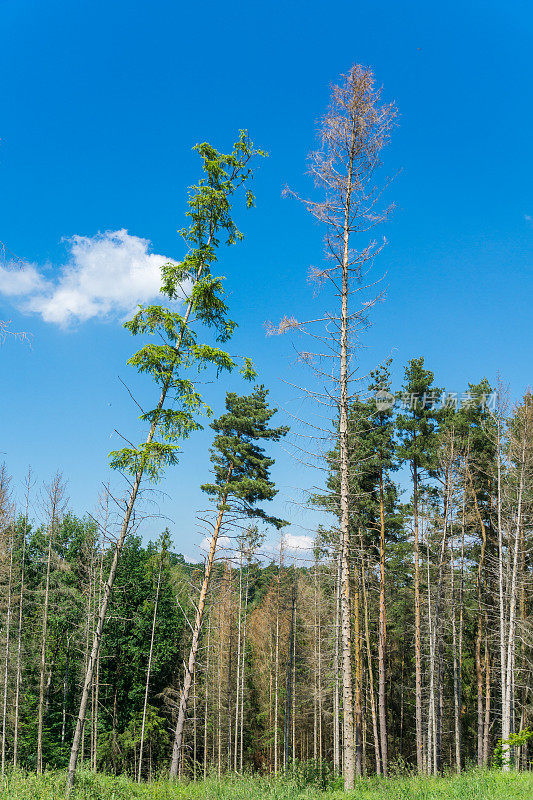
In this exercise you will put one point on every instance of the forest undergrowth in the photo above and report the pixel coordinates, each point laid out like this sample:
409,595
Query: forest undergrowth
473,785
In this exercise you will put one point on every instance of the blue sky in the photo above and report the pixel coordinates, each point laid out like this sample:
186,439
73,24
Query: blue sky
101,104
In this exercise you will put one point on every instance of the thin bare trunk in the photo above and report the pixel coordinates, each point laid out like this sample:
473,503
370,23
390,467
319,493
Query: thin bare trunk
486,720
238,682
245,625
6,653
418,640
431,719
288,687
19,632
149,668
65,693
501,594
100,584
191,665
276,660
346,609
358,677
206,709
511,626
336,671
382,638
54,497
456,654
230,667
377,754
480,626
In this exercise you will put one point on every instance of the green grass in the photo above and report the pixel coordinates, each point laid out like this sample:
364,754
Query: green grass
474,785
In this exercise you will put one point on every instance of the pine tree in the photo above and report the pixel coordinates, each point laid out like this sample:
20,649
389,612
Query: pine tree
241,481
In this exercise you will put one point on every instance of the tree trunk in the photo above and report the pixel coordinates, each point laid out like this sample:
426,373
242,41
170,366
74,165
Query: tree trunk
437,644
149,668
100,584
431,718
238,681
288,687
19,632
230,667
65,693
456,659
206,709
501,594
336,671
276,661
486,720
418,640
358,677
480,618
375,733
513,592
382,639
54,489
241,744
6,654
346,609
191,665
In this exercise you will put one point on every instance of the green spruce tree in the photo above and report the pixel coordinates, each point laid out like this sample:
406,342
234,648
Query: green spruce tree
241,481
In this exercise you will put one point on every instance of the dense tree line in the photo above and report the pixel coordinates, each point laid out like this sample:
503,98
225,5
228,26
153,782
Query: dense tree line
440,571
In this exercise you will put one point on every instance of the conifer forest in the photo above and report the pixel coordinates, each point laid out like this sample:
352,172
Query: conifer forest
389,647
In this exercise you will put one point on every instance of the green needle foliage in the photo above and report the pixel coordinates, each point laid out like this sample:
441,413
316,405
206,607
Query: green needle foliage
200,293
237,454
418,426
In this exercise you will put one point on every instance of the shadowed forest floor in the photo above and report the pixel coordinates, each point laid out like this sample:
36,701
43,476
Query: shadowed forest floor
470,786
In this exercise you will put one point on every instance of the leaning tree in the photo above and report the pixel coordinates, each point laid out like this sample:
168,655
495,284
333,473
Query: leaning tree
175,349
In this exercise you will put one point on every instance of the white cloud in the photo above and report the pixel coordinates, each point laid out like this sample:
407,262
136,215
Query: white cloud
16,281
106,275
223,543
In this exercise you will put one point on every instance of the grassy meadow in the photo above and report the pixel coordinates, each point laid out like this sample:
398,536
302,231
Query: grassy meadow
475,785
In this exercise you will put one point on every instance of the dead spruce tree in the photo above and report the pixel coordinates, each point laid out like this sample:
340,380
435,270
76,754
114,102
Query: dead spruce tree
352,135
176,349
242,480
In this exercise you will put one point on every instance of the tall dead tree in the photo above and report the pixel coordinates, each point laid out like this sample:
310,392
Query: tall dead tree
352,135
